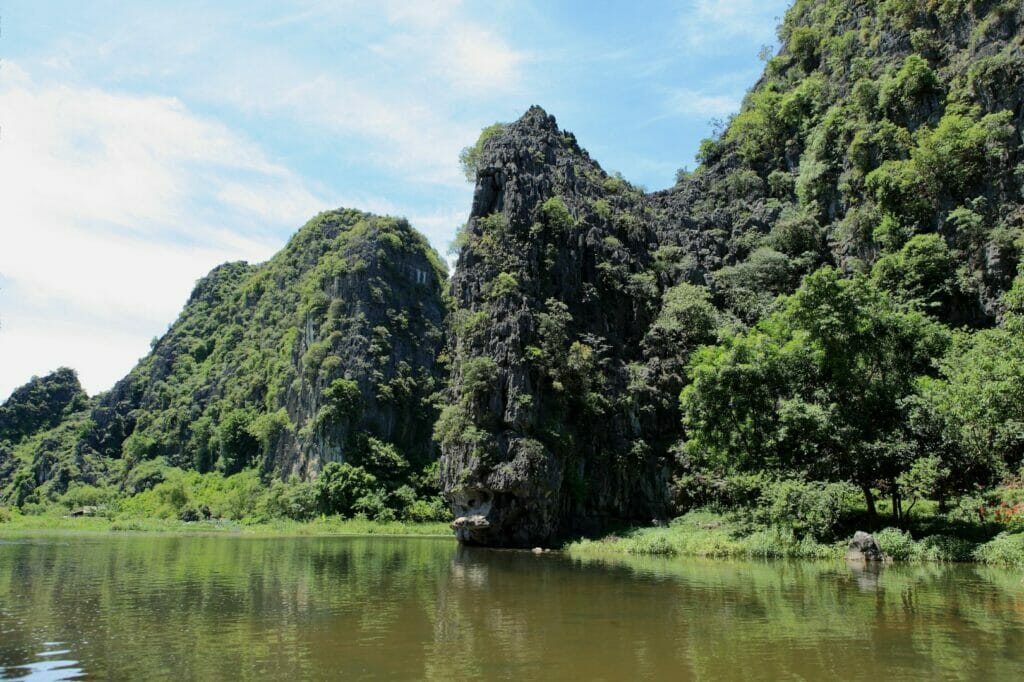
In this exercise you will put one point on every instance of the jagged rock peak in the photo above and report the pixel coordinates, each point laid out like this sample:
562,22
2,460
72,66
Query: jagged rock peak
40,404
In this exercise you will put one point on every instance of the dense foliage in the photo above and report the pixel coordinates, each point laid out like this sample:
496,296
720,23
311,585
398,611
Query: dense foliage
40,404
881,150
821,327
325,354
829,292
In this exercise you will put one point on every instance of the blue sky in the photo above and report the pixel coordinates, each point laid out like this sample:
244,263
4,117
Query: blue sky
143,143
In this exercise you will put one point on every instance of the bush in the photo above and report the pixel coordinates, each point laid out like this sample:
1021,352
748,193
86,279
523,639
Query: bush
238,446
340,486
478,375
902,93
1005,549
805,46
469,157
374,505
704,490
555,215
502,285
421,510
342,401
80,495
943,548
291,499
896,543
808,507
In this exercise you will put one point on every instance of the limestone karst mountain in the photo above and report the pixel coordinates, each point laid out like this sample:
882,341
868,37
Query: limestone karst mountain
881,146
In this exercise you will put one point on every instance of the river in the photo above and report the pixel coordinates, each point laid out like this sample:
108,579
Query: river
229,607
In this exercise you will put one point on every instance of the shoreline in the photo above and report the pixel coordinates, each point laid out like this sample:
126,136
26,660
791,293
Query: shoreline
27,526
699,536
711,536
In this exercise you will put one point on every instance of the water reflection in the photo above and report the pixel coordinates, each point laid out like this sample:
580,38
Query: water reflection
244,608
45,666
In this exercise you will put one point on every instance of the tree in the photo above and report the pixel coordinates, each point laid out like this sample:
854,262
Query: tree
238,446
920,272
980,395
469,157
340,486
815,389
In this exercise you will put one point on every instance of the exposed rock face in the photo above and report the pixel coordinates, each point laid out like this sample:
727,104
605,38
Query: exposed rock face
40,404
578,297
553,298
332,342
864,547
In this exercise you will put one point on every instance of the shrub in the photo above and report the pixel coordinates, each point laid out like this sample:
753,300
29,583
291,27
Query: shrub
238,447
896,543
340,486
900,189
478,375
342,400
502,285
808,507
84,495
556,216
943,548
469,157
421,510
805,46
1005,549
381,459
705,490
145,475
902,93
291,499
921,271
374,505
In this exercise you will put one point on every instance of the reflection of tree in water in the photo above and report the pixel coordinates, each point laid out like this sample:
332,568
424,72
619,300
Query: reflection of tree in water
235,608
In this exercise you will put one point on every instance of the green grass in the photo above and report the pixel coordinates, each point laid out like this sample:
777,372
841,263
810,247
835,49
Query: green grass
706,534
21,525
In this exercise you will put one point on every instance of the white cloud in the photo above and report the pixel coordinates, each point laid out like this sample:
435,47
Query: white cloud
719,25
697,104
399,87
102,235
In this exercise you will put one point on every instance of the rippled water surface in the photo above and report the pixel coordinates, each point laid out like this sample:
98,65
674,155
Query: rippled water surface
136,607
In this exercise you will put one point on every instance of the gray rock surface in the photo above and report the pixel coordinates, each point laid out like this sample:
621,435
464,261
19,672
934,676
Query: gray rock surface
864,547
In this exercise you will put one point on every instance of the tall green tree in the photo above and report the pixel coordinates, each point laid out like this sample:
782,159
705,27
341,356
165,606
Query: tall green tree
817,389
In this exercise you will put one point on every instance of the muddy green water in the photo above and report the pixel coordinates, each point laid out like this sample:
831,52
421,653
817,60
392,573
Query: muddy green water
225,608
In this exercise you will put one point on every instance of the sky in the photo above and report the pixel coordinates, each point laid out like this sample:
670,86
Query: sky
141,144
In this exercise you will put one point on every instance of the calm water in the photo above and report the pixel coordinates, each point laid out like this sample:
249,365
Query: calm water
131,607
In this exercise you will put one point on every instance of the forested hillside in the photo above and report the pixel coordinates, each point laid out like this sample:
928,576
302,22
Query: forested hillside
818,329
811,289
321,361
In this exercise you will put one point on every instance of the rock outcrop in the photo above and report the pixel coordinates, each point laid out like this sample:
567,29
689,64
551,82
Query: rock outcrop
40,404
306,358
864,547
882,139
553,296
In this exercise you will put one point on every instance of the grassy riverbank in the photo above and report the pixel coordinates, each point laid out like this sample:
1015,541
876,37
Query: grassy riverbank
14,524
707,534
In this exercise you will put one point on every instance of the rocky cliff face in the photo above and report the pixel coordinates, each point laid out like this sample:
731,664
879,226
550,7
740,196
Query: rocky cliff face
884,139
554,292
287,365
40,404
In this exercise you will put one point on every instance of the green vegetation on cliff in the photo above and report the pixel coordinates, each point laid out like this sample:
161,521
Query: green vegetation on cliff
821,316
319,364
819,329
